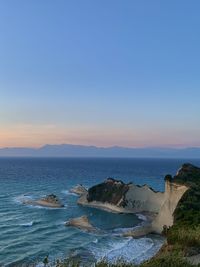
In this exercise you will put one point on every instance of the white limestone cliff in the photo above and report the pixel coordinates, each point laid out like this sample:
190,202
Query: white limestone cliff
172,195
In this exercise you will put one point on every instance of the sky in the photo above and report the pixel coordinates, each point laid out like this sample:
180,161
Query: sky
103,72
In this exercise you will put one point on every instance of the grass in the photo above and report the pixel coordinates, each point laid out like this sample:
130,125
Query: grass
166,260
185,236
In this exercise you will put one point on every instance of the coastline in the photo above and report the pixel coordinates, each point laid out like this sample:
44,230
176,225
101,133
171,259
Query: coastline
159,206
103,206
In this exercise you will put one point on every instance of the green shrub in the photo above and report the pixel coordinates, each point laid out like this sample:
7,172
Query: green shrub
185,236
167,261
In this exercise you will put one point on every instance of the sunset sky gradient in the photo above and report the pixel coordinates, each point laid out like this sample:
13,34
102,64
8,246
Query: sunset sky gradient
100,73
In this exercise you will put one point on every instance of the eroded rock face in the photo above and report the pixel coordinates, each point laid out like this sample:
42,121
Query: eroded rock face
81,223
143,199
110,191
173,194
182,197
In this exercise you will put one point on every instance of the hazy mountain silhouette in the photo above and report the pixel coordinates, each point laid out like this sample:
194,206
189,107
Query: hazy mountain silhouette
67,150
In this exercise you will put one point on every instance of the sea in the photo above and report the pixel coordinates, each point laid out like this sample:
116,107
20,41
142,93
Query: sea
30,233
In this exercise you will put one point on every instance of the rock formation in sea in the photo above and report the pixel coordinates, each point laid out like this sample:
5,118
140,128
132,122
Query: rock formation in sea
81,223
116,196
79,190
51,201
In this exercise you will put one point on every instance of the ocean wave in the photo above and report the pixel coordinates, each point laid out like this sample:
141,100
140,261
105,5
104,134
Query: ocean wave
67,192
141,217
21,198
40,264
127,249
121,231
149,253
60,223
28,224
44,207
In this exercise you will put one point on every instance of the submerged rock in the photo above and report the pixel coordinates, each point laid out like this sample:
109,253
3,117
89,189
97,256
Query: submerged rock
81,223
51,201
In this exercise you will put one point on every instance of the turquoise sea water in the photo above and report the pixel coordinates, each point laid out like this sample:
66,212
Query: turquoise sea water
28,234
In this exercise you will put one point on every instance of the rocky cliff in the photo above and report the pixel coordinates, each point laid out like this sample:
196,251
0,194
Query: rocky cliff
165,218
120,197
143,199
117,196
111,191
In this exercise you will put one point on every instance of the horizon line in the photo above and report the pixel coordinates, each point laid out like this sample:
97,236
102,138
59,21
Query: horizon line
103,147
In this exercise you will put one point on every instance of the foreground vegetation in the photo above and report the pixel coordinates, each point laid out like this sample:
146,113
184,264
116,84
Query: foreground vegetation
165,260
169,256
186,229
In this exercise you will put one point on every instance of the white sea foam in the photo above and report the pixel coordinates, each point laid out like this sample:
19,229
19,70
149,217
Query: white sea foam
127,249
45,207
21,198
59,223
67,192
40,264
149,252
104,251
27,224
141,217
121,231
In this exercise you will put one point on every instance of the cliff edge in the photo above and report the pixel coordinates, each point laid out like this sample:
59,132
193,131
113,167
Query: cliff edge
166,207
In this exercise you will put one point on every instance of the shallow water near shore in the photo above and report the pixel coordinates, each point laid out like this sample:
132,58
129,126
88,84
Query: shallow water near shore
29,233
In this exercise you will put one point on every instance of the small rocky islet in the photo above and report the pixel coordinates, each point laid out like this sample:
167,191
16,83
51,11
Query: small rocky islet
81,222
51,201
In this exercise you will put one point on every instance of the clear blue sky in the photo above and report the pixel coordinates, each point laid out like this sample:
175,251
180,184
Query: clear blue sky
103,72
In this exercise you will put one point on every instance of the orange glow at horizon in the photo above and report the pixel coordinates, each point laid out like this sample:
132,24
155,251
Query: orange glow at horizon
39,135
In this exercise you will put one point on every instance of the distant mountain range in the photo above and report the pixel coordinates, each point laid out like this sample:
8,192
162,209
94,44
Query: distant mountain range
66,150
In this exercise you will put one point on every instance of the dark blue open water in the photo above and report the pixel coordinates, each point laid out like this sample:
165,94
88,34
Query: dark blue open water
28,233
